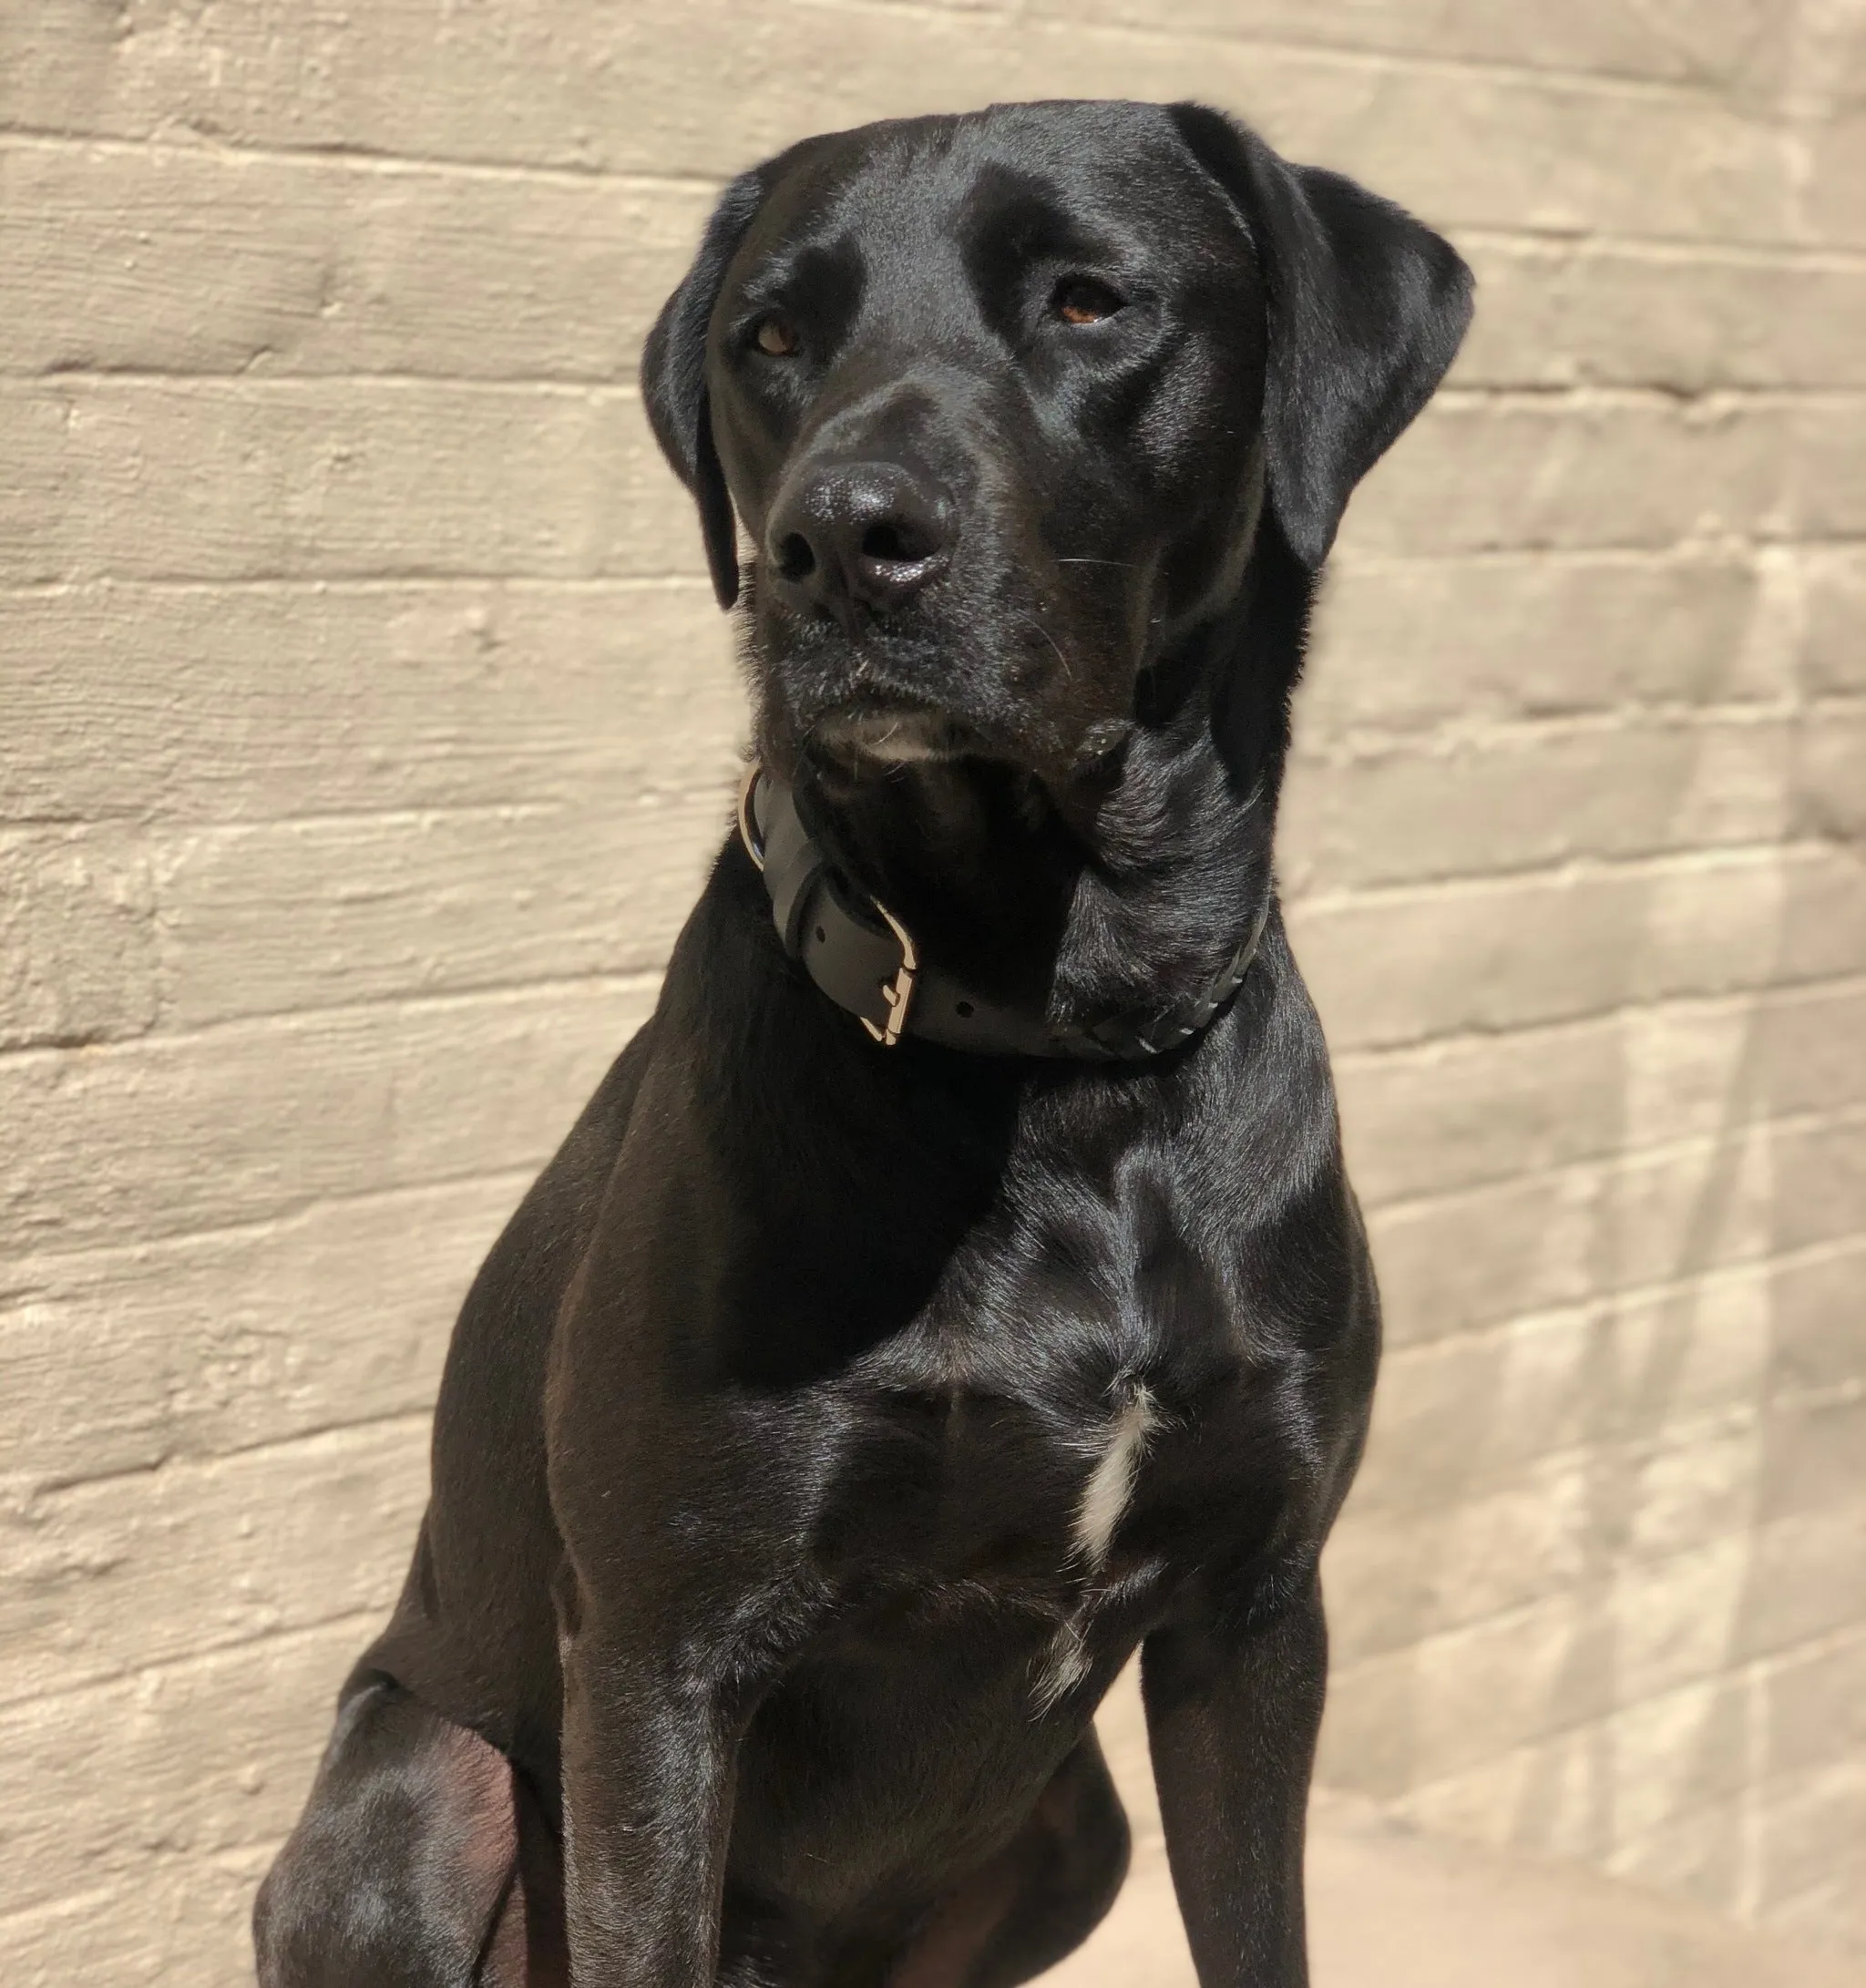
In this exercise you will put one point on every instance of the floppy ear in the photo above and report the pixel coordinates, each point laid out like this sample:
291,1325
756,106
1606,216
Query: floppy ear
673,380
1366,309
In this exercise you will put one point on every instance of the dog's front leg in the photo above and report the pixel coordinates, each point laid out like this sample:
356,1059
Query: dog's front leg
1232,1716
650,1746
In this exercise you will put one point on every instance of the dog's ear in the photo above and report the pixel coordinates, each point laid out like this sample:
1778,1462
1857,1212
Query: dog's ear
673,380
1367,308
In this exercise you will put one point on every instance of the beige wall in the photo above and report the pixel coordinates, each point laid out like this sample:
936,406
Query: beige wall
364,723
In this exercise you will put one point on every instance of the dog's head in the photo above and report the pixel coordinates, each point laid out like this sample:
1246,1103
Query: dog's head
1001,402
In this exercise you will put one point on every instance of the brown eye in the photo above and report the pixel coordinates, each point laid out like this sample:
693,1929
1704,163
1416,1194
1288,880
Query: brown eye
776,335
1081,300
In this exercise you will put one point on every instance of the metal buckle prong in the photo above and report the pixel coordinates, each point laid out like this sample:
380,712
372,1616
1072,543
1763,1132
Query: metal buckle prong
900,992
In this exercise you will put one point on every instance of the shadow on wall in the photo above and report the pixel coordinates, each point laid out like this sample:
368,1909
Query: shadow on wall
1599,1591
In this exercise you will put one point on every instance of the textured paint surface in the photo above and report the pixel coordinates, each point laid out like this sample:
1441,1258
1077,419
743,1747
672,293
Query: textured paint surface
365,727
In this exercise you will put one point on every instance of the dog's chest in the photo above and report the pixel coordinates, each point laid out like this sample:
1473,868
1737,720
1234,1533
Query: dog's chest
994,1492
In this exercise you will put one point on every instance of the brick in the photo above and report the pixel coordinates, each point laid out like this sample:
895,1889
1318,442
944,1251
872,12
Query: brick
259,1119
190,1923
1727,41
1455,1415
77,937
1811,1454
1820,1174
1400,1576
171,260
1817,1342
1509,1464
1814,1702
128,1359
1481,472
1404,645
403,697
1450,1263
180,1767
1519,950
1650,1791
99,1580
1591,1791
1395,1575
1836,172
169,479
265,920
1531,798
1829,47
1830,798
1827,490
1454,1113
1836,609
1637,1655
592,87
1689,320
1806,1578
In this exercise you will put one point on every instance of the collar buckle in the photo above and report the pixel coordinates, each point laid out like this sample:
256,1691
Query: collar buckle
898,993
845,950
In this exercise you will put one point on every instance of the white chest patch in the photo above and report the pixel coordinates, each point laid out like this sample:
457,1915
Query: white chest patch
1111,1482
1105,1497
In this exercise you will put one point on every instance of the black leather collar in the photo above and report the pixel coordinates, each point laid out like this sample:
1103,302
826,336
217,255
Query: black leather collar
861,956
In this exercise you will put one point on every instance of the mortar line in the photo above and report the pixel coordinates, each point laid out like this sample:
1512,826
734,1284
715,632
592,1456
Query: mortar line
671,581
1558,396
1734,549
1622,1161
1336,55
49,1266
1582,241
1604,245
609,977
162,829
1815,1645
1521,1612
168,1665
1657,1291
1574,872
268,385
622,981
1755,1003
199,1463
354,157
169,826
1754,1000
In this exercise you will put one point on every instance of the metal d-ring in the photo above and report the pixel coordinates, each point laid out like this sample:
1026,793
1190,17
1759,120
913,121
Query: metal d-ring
753,847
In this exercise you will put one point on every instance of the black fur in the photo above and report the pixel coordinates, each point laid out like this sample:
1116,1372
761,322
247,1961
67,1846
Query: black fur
767,1423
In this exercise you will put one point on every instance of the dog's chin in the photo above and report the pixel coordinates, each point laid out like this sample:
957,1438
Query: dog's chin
877,738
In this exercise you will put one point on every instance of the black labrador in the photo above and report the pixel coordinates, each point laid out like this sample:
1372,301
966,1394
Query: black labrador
956,1283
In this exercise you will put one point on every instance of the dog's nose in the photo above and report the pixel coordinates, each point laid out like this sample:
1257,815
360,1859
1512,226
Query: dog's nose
849,535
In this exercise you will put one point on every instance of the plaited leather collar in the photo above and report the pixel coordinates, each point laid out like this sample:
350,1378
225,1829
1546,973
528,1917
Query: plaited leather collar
865,960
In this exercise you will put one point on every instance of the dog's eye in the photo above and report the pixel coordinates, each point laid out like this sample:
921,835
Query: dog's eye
1081,300
776,335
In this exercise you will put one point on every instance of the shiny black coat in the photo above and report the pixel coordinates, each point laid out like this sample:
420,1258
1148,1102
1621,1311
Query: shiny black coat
832,1422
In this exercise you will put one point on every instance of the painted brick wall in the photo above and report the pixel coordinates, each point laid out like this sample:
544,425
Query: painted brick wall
365,725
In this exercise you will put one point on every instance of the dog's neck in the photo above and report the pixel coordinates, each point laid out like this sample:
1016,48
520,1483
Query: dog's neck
1127,888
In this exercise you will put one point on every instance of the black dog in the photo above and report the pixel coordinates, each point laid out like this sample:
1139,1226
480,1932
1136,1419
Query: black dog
855,1390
